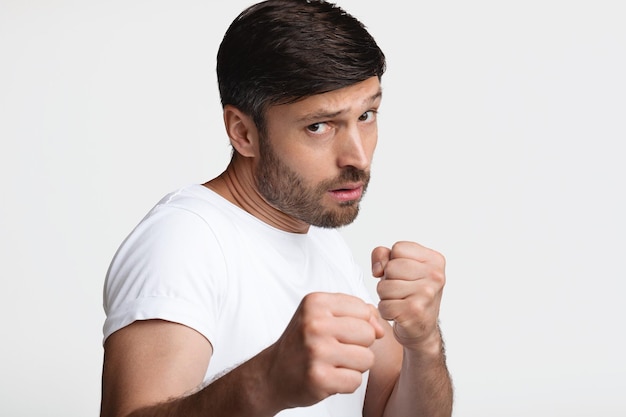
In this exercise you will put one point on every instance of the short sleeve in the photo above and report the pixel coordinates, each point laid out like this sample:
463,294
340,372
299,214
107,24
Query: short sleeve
170,267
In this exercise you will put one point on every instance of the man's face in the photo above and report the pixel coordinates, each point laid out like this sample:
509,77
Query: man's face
315,159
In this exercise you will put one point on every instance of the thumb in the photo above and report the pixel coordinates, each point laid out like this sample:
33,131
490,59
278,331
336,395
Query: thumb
380,257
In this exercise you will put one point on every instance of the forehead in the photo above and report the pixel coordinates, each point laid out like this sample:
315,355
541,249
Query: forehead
355,98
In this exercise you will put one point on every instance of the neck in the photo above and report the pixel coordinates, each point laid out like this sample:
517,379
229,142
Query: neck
236,184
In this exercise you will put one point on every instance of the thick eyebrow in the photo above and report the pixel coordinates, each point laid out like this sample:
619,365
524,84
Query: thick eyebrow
326,114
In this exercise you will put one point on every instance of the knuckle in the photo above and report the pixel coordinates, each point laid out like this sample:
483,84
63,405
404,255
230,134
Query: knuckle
439,277
385,311
417,307
370,336
355,381
314,327
429,292
317,375
438,258
402,248
369,360
441,257
313,299
397,246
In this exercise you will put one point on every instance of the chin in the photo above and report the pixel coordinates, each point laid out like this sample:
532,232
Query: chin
333,220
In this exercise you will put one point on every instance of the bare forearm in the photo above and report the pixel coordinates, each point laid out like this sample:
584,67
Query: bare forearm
314,358
241,392
424,388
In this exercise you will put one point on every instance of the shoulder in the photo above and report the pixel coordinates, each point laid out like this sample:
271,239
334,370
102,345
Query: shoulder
194,201
178,221
192,214
169,265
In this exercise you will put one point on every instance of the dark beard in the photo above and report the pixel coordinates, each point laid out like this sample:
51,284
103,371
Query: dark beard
285,190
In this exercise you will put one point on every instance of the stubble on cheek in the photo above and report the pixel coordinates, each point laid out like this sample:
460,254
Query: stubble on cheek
286,190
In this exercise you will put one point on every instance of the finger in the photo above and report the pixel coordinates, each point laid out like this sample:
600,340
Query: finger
340,380
340,305
412,250
395,289
416,309
358,358
352,331
406,269
375,321
380,257
357,331
336,305
391,309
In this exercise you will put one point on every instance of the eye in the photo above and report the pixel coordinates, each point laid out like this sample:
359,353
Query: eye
318,128
368,116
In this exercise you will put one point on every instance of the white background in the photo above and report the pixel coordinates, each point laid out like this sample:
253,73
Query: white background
501,145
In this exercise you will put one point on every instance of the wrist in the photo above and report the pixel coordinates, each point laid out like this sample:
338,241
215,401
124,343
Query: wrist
265,393
244,390
429,345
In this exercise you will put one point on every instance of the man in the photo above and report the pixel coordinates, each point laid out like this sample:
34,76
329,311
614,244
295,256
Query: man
238,297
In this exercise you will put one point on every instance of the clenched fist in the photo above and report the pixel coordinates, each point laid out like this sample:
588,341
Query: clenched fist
410,289
325,348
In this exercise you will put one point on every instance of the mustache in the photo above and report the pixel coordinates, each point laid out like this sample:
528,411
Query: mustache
349,174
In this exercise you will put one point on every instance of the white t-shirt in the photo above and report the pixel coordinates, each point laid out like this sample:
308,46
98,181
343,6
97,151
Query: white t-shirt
198,260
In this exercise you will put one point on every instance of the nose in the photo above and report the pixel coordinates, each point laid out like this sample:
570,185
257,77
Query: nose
355,148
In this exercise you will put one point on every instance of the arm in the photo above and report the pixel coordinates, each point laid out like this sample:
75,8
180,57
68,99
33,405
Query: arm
155,368
410,377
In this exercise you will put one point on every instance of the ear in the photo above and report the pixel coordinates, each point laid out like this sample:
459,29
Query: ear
242,131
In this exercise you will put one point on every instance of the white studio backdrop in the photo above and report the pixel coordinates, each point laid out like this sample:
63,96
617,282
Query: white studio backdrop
501,145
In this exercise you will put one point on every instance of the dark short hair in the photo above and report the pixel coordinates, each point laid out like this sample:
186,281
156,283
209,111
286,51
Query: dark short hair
280,51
